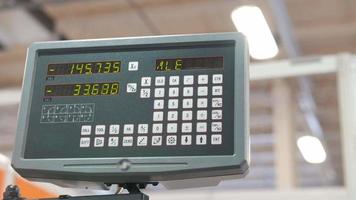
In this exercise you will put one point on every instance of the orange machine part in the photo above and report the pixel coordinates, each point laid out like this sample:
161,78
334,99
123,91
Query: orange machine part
32,191
2,181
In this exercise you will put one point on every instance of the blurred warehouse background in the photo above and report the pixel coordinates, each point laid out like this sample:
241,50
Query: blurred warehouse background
282,110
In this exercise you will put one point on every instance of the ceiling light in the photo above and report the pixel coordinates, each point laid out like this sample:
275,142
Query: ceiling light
250,21
311,149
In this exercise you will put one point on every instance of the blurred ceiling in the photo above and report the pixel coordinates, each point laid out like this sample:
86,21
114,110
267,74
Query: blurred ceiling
319,26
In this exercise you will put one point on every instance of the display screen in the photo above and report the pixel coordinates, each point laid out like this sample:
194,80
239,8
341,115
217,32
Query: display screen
173,64
84,68
82,89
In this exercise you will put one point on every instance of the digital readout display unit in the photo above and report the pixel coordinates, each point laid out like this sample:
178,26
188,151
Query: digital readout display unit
135,109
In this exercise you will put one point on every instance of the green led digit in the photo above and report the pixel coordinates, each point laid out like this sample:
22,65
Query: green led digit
87,89
77,90
107,67
105,89
95,89
114,88
88,69
116,67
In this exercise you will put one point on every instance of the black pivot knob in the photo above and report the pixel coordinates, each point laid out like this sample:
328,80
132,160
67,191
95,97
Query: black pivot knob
12,192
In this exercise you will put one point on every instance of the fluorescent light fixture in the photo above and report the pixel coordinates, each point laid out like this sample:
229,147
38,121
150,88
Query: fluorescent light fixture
312,150
250,21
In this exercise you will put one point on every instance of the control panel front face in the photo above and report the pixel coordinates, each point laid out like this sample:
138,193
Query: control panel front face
133,101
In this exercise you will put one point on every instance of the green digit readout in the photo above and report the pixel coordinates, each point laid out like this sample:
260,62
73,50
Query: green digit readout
86,68
82,89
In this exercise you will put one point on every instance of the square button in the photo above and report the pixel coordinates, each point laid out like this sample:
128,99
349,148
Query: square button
99,129
146,81
202,91
174,80
172,116
159,92
86,130
157,116
99,142
173,103
84,142
158,104
114,129
186,139
142,128
133,66
113,141
216,127
157,128
186,127
173,92
171,140
202,115
201,139
160,81
145,93
203,79
217,78
188,91
188,80
187,115
142,141
216,139
217,90
216,114
172,128
201,127
128,129
202,103
131,87
187,103
216,102
127,141
156,140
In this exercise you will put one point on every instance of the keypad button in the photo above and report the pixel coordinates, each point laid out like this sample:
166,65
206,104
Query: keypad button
216,102
187,115
203,79
157,128
217,90
142,128
142,141
84,142
174,80
86,130
201,127
188,91
187,103
157,116
114,129
216,127
131,87
172,128
113,141
99,129
186,127
216,114
145,93
99,141
188,80
171,140
146,81
160,81
217,78
202,103
202,114
216,139
158,104
173,103
202,91
186,139
159,92
133,66
128,129
201,139
172,116
173,92
127,141
156,140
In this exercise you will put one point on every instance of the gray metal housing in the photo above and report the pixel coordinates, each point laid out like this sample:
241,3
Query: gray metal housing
141,169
